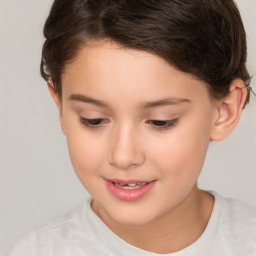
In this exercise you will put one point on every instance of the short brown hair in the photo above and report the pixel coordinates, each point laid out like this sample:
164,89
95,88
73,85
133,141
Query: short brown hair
205,38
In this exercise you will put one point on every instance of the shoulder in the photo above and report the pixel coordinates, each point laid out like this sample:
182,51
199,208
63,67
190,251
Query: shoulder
236,227
238,215
60,233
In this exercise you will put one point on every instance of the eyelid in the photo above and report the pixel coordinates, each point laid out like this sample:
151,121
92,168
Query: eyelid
86,122
101,122
169,124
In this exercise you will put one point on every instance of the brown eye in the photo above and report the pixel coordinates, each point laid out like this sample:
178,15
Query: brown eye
163,124
160,122
97,122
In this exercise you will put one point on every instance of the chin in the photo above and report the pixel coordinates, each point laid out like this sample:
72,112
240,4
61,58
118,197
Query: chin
133,221
134,216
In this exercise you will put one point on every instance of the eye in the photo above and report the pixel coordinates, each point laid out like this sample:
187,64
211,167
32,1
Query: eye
163,124
92,123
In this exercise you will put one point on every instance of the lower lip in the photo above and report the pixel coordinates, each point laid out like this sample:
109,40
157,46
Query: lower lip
130,194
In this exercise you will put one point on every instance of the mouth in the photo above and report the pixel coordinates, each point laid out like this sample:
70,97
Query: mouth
134,185
129,190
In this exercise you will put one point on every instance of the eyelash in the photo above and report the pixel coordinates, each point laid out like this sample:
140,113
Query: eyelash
161,125
86,122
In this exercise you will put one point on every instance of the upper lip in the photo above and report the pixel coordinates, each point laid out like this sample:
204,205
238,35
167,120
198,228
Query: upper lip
124,182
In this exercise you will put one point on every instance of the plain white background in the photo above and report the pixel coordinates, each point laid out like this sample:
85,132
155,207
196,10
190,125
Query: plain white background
37,181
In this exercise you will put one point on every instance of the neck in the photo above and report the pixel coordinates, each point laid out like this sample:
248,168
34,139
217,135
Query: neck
173,231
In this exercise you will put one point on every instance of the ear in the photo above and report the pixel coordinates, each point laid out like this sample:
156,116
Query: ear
229,110
57,100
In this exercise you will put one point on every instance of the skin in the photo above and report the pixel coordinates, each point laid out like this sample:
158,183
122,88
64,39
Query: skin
127,145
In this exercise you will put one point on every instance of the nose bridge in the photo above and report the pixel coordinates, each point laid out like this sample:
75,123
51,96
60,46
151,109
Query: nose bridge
125,149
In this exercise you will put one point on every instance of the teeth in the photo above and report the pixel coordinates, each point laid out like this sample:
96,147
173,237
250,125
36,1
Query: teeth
130,185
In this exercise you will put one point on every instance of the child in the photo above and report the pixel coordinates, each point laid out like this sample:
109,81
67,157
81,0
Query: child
142,87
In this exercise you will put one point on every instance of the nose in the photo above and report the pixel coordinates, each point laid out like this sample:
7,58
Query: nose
125,149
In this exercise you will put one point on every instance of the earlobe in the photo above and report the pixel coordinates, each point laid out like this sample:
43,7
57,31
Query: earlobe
229,111
57,100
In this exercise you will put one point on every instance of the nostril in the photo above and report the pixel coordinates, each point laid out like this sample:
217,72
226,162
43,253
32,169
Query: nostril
124,153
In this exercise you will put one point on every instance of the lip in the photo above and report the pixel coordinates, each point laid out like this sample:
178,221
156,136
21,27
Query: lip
129,194
123,182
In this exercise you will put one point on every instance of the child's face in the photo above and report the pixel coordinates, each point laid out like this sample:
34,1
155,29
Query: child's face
125,91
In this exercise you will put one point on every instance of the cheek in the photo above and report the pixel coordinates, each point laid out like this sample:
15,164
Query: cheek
85,153
181,154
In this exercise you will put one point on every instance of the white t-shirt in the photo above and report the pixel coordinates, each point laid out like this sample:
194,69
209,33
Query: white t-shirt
231,231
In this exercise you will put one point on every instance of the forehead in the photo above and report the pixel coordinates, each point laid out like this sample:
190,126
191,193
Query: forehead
109,71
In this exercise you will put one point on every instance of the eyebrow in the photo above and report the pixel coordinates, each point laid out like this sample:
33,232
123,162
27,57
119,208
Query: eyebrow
86,99
166,101
157,103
